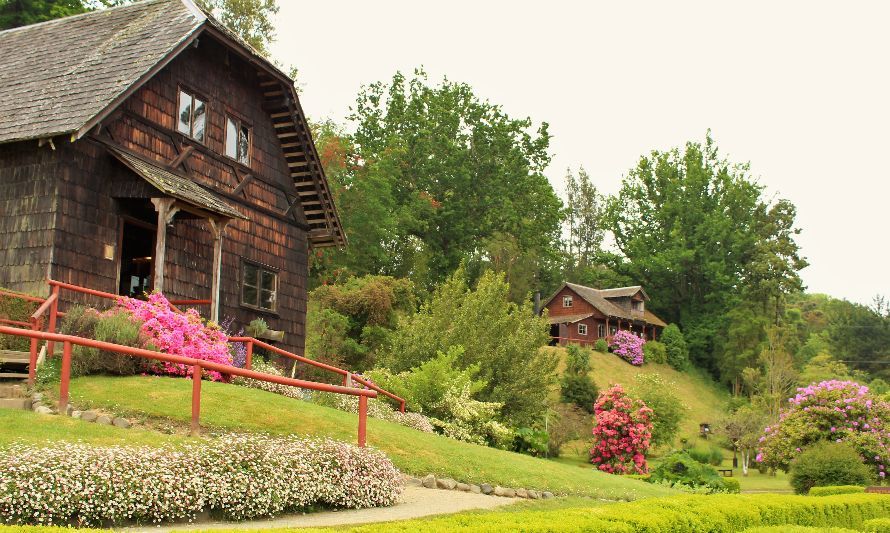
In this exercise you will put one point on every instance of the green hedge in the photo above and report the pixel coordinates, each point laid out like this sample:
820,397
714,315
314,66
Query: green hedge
722,512
797,529
877,525
836,489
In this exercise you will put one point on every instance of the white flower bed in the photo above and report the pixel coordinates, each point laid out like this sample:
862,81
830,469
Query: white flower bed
237,476
277,388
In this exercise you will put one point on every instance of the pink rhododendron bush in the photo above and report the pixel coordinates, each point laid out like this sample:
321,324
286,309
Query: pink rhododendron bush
185,334
838,411
628,346
622,433
236,477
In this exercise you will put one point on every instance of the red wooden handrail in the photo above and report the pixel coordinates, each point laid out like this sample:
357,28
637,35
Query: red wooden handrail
250,342
52,303
197,365
20,295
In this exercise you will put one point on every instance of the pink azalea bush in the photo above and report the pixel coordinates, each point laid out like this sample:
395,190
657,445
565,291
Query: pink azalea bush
836,411
628,346
622,433
185,334
237,477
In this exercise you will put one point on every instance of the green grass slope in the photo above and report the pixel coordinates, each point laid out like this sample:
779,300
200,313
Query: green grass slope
705,398
234,408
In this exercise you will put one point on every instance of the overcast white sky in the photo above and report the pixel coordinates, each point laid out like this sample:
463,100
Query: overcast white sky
799,89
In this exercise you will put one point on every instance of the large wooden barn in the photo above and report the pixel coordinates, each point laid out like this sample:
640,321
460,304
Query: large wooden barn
581,315
146,147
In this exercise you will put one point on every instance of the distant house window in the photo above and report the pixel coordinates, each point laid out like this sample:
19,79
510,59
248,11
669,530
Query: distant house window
259,287
582,329
637,305
567,301
238,140
601,330
192,116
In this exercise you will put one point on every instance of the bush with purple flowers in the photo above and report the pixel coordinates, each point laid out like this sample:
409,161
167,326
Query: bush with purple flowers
237,477
834,411
628,346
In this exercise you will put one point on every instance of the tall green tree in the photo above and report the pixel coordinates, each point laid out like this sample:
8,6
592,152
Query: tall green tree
15,13
585,216
504,339
453,173
249,19
695,229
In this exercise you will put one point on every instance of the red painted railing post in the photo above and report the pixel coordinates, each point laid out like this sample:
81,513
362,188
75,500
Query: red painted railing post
53,313
196,399
65,378
32,359
362,420
248,359
402,406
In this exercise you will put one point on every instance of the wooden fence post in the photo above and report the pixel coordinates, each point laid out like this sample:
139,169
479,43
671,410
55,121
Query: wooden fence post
196,399
65,378
362,419
53,313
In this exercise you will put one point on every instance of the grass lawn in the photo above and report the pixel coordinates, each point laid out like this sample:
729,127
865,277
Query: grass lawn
32,428
234,408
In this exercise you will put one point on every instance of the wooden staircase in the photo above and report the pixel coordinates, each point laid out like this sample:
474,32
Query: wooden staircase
13,373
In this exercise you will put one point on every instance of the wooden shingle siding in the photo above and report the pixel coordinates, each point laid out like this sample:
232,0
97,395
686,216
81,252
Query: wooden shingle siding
28,181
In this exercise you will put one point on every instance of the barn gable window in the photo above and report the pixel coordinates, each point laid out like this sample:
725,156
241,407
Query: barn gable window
567,301
582,329
192,116
259,286
238,140
601,330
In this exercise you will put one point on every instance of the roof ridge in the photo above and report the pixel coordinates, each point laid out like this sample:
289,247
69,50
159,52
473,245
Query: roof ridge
95,12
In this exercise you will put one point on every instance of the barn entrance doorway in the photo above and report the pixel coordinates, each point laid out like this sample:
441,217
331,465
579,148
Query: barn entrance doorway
137,249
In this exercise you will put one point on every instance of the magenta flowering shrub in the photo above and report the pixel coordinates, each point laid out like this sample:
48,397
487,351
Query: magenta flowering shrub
622,433
237,477
628,346
838,411
185,334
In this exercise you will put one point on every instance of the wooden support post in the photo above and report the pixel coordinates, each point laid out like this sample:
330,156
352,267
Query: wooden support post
32,362
65,378
362,420
218,227
248,359
196,400
166,211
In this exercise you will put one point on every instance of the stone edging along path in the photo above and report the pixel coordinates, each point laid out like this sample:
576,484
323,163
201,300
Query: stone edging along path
431,482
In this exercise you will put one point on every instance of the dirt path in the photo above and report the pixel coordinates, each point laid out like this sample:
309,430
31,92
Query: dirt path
415,502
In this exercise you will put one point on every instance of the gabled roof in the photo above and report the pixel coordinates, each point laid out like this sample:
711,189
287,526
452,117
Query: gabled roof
64,76
569,319
57,75
598,298
623,292
176,186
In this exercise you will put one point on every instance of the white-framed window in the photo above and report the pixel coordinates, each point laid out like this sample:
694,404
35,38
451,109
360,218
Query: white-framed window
582,329
238,140
567,301
601,330
192,116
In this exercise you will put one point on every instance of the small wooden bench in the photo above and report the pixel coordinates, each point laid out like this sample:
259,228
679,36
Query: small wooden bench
725,472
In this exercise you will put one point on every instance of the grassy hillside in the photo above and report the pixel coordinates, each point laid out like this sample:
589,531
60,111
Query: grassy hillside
233,408
706,400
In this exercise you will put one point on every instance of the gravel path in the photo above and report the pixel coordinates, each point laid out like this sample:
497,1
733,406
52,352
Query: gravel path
415,502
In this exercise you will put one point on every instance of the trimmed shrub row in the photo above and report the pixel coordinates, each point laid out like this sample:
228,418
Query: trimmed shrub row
836,489
235,477
678,513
